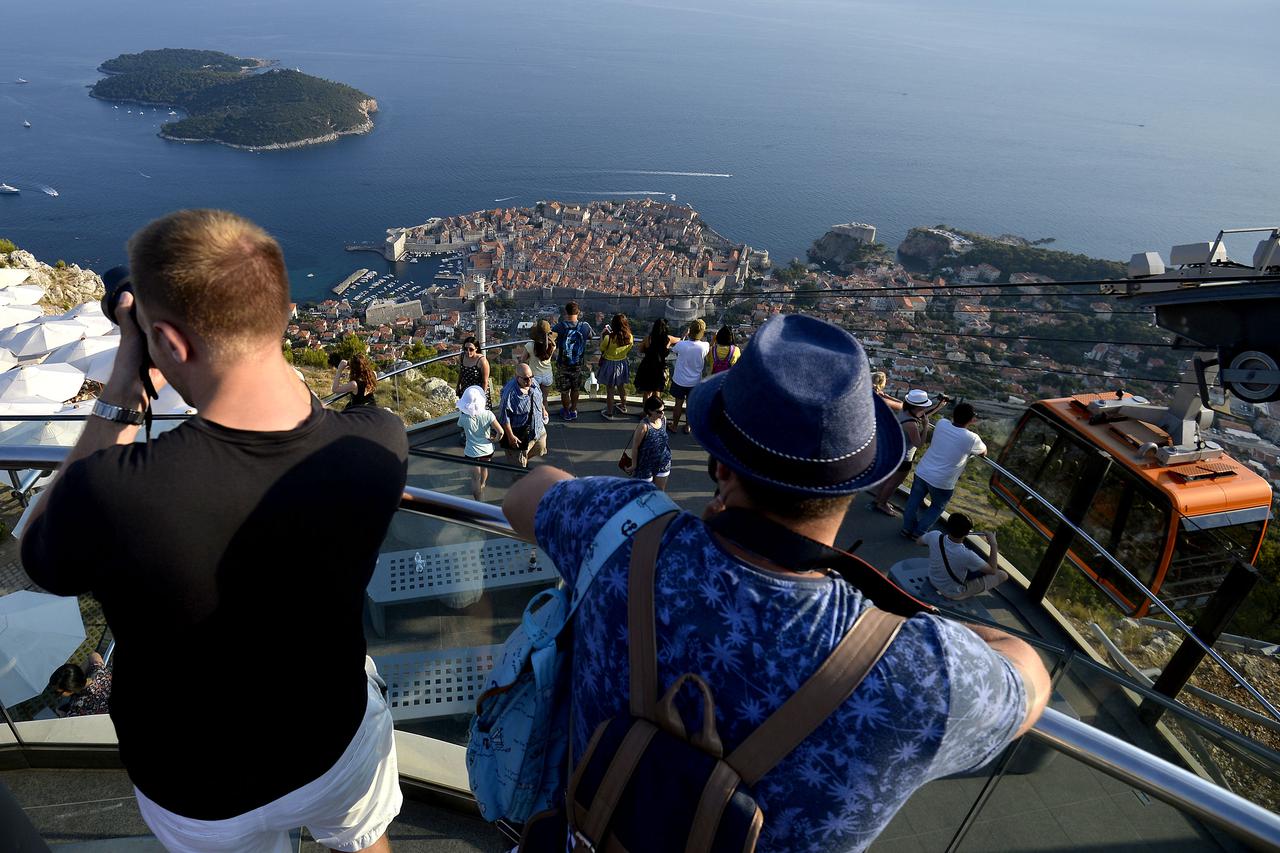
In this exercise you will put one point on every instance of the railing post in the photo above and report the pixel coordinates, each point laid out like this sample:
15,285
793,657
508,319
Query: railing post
1215,617
1086,489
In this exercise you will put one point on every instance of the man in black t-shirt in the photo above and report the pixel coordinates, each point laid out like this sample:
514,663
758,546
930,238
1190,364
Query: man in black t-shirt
215,542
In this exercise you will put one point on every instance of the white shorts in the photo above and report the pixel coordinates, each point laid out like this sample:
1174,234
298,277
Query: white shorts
348,808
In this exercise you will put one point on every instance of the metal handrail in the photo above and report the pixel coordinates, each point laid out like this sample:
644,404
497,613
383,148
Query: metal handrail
1119,759
333,398
1160,605
1180,788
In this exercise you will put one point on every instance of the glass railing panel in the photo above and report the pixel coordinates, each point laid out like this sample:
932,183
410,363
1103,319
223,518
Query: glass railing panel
443,599
1201,733
1091,808
1001,790
43,634
1068,805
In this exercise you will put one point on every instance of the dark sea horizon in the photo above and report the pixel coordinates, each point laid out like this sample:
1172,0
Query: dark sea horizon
1111,127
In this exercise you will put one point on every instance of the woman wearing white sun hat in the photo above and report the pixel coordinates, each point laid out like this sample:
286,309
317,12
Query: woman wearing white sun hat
914,419
480,429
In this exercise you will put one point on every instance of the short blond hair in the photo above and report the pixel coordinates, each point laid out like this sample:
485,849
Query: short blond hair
879,379
697,329
217,273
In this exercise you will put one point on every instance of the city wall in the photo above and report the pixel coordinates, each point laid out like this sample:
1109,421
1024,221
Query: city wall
589,300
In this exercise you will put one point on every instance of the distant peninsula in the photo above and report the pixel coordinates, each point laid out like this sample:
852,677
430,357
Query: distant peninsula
233,101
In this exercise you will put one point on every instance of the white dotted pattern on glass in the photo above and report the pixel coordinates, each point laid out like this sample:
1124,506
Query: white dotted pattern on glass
466,566
435,684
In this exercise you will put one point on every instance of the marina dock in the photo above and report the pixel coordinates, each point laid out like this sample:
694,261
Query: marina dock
348,281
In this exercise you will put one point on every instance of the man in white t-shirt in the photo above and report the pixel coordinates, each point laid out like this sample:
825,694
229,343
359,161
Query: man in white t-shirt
954,570
691,355
939,471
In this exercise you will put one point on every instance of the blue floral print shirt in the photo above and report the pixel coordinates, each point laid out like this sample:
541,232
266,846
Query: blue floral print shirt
939,702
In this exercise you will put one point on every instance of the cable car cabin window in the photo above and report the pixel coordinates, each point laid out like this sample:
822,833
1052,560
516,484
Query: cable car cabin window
1127,518
1047,460
1126,521
1203,556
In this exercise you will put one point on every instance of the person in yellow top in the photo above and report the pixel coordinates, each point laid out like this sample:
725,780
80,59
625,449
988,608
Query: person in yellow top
613,371
725,353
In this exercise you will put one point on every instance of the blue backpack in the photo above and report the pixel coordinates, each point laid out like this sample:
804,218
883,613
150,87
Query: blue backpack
574,345
519,738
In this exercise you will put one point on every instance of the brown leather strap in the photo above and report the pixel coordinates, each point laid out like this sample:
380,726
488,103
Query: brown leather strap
615,780
577,812
711,805
642,642
819,697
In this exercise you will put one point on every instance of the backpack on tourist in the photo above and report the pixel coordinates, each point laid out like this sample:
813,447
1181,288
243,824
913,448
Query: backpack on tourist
517,749
573,346
719,365
647,785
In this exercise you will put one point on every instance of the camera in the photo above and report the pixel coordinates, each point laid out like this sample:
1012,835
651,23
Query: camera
115,283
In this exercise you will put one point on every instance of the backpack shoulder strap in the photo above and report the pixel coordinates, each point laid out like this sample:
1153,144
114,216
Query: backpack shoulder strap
642,643
612,534
819,697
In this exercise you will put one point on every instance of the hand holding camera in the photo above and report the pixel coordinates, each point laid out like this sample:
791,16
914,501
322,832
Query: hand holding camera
134,379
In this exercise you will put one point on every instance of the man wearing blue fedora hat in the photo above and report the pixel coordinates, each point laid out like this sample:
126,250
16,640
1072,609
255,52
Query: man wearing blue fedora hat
745,599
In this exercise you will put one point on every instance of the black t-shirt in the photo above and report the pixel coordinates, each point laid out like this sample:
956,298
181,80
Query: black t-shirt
231,566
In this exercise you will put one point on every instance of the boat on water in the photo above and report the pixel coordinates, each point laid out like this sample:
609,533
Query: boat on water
5,189
50,191
20,80
173,112
26,124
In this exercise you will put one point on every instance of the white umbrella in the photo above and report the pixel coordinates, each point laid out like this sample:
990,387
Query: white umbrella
95,325
81,354
55,383
38,632
24,294
6,335
43,337
89,309
12,315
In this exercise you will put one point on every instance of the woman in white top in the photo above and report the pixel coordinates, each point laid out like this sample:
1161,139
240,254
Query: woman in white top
480,428
540,355
913,417
691,356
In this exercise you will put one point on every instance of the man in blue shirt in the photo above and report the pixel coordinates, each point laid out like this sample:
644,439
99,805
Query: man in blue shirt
574,336
522,415
740,598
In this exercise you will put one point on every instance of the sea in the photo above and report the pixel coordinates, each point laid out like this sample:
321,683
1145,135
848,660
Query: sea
1111,127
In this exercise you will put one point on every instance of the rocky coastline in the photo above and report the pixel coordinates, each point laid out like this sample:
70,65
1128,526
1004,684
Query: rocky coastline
65,287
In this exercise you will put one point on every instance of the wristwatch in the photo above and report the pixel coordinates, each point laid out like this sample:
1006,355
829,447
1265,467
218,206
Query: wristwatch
117,414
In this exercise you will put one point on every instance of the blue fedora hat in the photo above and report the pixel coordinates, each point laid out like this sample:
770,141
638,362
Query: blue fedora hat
797,412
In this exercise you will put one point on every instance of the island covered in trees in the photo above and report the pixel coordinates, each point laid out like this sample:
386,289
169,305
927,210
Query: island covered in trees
236,101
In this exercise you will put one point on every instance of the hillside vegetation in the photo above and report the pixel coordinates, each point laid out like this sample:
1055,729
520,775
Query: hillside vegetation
1012,255
225,102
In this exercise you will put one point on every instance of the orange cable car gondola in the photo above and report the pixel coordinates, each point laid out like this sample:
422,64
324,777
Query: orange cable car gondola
1177,527
1143,481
